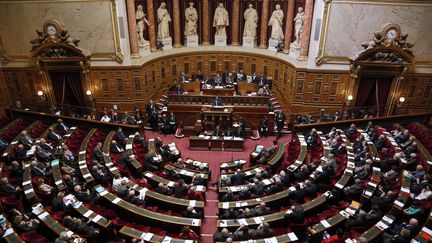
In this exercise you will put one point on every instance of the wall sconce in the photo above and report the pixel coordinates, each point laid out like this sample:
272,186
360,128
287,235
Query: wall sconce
349,99
400,101
41,95
89,94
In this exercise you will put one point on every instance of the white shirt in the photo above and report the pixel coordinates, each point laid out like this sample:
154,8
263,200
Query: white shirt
105,119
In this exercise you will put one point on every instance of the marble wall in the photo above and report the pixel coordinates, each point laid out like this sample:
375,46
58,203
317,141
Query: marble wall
353,22
90,21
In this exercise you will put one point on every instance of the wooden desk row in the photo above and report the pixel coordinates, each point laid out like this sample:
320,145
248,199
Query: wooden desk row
129,149
82,161
275,217
55,164
217,144
157,179
144,214
106,149
9,149
148,237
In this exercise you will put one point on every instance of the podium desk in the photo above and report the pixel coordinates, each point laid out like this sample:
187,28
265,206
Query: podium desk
218,91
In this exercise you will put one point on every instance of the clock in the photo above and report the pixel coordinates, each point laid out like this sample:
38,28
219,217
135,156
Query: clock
391,33
51,30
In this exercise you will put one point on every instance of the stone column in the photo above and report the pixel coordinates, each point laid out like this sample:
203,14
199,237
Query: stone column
264,23
205,23
307,24
176,14
152,25
235,22
289,25
133,37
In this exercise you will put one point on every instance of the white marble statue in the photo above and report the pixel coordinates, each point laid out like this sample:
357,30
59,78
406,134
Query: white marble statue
276,23
298,25
163,19
251,22
141,23
191,18
221,20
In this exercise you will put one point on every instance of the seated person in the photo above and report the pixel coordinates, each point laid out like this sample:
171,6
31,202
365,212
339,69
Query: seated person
22,223
217,132
140,139
199,76
25,139
8,189
52,135
58,204
120,136
3,144
115,148
20,153
217,102
98,154
62,126
183,78
39,169
188,234
134,199
16,172
100,174
43,155
351,131
46,146
43,187
228,133
105,118
295,215
264,91
191,213
218,80
193,194
84,196
163,189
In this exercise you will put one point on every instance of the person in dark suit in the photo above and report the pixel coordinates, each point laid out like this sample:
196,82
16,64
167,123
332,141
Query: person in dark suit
241,76
52,135
217,102
39,169
84,196
46,146
190,212
280,121
199,76
25,139
62,126
297,196
239,178
178,90
138,138
264,126
354,190
58,204
98,154
120,136
149,108
255,78
100,175
336,116
262,209
6,188
163,189
310,189
115,148
218,80
43,155
180,189
295,215
229,196
228,133
183,78
380,143
20,153
16,172
312,138
257,188
132,197
222,236
217,131
172,123
242,128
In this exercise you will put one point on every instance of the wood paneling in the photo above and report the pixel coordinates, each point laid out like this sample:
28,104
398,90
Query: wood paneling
296,90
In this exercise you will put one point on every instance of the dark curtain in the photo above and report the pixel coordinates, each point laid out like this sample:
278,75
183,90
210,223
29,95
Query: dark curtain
67,87
366,87
383,89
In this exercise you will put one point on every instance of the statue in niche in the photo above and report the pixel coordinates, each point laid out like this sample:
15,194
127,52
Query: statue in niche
221,20
251,22
298,25
191,18
163,19
276,23
141,19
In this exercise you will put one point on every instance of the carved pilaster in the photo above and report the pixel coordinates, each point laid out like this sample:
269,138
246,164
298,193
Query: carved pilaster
133,37
264,23
205,23
307,26
235,22
289,25
176,14
152,23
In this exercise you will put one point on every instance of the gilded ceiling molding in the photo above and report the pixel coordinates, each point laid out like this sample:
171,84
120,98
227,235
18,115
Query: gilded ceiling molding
320,59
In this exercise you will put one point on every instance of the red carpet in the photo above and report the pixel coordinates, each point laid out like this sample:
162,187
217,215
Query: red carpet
214,158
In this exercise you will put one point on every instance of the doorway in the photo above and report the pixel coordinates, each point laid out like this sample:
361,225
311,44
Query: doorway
68,91
372,95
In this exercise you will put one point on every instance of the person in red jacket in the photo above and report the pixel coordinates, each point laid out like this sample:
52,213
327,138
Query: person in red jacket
336,238
194,195
188,234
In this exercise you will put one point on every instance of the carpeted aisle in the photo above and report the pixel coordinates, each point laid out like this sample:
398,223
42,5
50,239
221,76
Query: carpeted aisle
214,158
